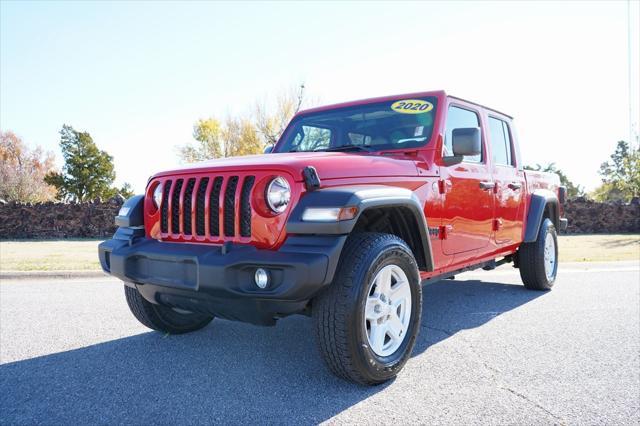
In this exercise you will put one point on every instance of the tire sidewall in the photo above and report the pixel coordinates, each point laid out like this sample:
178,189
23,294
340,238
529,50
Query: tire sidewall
180,322
162,318
548,230
377,367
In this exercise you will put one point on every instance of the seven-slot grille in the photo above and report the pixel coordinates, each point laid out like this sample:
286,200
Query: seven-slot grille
206,207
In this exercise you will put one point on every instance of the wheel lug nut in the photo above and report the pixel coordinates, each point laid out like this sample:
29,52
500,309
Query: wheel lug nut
377,309
383,297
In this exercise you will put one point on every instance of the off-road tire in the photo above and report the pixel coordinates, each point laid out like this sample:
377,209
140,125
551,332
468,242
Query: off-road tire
531,260
162,318
338,310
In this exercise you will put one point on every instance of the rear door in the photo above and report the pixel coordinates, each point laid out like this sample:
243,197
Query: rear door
468,189
509,181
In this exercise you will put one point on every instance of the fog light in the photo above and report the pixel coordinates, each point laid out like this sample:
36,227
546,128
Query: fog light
261,278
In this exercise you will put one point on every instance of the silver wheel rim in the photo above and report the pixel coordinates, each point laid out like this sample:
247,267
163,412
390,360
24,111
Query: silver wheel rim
387,312
549,256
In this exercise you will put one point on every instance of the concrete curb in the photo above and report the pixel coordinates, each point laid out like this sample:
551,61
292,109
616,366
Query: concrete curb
19,275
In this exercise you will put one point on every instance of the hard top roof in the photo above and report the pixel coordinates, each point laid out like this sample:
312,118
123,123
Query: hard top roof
439,93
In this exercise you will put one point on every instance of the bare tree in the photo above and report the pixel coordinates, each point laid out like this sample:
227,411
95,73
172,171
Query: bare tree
241,137
244,134
271,121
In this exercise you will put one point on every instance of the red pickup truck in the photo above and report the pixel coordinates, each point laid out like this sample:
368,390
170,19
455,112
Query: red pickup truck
355,207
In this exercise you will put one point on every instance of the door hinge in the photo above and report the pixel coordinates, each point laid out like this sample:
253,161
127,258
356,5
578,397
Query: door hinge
497,224
442,187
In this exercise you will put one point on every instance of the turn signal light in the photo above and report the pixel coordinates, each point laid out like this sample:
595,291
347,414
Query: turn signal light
329,214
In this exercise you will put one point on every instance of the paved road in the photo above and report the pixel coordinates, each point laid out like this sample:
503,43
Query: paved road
488,352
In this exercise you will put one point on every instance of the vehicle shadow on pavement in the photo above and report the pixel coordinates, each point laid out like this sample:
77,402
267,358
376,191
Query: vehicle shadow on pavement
227,373
452,306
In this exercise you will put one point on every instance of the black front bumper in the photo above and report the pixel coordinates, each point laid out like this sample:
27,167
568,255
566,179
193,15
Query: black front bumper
220,280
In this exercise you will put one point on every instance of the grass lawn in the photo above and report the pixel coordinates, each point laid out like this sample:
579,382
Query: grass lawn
74,255
599,248
54,255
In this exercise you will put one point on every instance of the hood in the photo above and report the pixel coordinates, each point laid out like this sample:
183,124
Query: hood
329,165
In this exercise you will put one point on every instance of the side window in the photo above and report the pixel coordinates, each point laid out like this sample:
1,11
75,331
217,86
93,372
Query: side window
459,118
500,142
507,137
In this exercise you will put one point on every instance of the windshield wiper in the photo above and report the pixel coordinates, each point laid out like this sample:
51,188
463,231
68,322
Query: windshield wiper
347,148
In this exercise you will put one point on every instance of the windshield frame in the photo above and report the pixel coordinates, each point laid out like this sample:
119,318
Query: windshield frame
432,98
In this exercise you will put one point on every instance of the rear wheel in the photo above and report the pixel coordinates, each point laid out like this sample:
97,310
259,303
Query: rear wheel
368,319
538,261
162,318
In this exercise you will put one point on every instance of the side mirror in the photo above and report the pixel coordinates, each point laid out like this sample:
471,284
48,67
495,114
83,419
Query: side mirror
268,149
464,141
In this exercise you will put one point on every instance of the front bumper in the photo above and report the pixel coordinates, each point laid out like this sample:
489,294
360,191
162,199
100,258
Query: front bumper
220,279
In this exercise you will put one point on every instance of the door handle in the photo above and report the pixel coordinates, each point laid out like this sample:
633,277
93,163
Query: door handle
486,185
515,186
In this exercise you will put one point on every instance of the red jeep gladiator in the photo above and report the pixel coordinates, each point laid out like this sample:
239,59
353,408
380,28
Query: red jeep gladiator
355,207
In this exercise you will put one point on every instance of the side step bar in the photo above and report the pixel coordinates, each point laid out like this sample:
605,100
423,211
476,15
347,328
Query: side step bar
487,266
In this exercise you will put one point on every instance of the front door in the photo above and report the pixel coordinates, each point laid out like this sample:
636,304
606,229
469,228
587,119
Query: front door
468,191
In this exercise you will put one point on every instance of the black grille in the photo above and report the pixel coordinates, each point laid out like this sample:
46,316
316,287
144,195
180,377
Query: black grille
229,204
214,207
175,207
200,204
186,215
164,211
245,206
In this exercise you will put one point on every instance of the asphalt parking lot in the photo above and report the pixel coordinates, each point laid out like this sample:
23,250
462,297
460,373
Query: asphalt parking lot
489,352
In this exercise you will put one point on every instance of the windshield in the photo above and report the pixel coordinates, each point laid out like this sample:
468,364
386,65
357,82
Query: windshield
399,124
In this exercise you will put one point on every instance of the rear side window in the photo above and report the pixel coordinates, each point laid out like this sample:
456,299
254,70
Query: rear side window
460,118
500,142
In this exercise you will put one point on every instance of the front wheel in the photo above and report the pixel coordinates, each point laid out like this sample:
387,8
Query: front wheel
163,318
368,319
538,261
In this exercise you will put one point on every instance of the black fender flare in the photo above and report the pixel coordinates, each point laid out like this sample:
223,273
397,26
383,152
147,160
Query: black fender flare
363,197
131,213
540,199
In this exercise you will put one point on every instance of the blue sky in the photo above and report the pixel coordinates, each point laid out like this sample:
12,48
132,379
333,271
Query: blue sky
137,75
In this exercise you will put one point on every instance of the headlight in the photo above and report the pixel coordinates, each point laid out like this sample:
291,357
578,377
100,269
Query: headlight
157,195
278,194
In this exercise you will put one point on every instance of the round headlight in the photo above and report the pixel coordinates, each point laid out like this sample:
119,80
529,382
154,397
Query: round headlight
278,194
157,195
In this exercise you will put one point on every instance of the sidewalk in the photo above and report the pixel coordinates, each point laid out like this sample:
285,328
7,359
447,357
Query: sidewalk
17,275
